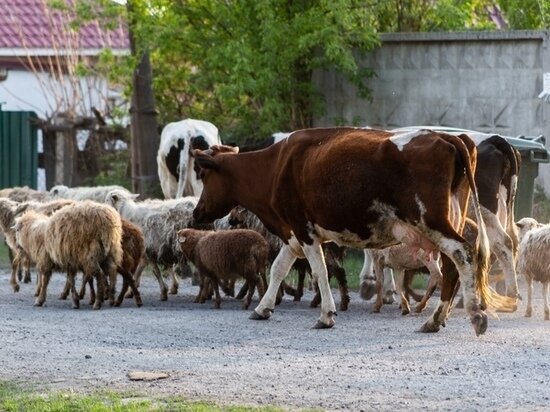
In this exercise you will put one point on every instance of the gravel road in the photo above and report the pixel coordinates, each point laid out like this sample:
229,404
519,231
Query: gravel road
366,362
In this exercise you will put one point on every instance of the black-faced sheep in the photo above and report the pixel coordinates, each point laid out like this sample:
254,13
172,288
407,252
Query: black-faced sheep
85,236
534,260
226,255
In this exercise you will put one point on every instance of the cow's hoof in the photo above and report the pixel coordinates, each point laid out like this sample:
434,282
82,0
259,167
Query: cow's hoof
323,325
429,327
265,316
479,322
163,297
173,290
528,312
37,303
368,289
16,288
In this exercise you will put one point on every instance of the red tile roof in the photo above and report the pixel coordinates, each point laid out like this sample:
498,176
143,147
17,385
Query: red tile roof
31,24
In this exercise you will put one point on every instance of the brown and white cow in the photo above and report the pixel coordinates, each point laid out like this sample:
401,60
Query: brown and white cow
359,188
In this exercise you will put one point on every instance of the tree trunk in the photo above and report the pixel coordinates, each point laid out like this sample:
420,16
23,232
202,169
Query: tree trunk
144,134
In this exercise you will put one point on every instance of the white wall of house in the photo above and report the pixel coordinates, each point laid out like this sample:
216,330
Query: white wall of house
26,91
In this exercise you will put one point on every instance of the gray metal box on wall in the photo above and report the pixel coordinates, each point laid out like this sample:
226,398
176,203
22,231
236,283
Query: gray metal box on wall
18,149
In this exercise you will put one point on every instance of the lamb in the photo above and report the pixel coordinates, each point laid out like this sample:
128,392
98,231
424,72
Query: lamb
159,220
534,260
401,258
225,255
84,236
97,193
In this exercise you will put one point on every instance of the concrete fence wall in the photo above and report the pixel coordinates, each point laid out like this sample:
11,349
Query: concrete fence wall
486,81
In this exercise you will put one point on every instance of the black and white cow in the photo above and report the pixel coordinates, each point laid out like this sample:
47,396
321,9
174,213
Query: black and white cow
176,167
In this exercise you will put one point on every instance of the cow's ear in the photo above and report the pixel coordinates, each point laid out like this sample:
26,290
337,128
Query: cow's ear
205,160
221,148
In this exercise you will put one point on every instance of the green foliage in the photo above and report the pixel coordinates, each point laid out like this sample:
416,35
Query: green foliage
113,170
247,65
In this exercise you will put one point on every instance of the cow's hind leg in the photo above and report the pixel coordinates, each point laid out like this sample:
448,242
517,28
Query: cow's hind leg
449,285
279,269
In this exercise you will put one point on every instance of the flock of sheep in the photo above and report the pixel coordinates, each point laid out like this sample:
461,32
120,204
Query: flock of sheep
105,231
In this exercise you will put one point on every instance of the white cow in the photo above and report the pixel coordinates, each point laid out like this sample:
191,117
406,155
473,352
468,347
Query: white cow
176,165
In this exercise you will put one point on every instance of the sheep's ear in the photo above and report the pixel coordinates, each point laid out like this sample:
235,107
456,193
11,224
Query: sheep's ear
182,239
134,195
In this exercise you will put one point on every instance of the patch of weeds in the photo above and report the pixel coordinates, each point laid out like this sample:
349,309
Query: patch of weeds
16,399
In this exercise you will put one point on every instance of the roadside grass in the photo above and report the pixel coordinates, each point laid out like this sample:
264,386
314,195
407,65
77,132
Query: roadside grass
16,399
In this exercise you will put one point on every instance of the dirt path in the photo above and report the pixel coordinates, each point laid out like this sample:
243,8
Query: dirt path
367,361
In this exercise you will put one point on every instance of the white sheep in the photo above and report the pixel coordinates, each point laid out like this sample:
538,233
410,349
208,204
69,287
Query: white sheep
85,236
176,167
96,193
24,194
534,260
159,220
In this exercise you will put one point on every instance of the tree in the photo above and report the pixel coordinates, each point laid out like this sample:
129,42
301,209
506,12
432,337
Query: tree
247,65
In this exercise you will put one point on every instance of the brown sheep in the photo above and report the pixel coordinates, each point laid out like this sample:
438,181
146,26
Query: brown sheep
132,253
85,236
226,255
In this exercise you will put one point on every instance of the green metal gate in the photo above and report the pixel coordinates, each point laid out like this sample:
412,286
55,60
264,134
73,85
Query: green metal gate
18,149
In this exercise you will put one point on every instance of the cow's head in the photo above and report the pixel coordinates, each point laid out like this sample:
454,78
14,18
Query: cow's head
215,200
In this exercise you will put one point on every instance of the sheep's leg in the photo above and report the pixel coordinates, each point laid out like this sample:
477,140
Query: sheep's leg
399,284
128,282
82,292
340,274
71,284
300,287
100,277
66,288
175,282
435,279
379,276
215,285
15,268
137,275
202,287
242,291
251,289
529,310
545,286
90,281
279,269
44,288
162,285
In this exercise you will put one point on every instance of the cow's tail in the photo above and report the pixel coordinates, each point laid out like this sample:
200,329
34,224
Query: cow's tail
511,180
489,297
182,168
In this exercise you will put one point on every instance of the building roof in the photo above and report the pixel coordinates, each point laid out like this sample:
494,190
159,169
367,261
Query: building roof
32,26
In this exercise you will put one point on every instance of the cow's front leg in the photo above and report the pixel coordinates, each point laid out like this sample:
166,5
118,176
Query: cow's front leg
279,269
316,259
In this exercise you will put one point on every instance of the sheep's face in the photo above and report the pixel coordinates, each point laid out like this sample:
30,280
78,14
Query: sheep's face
115,198
525,225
